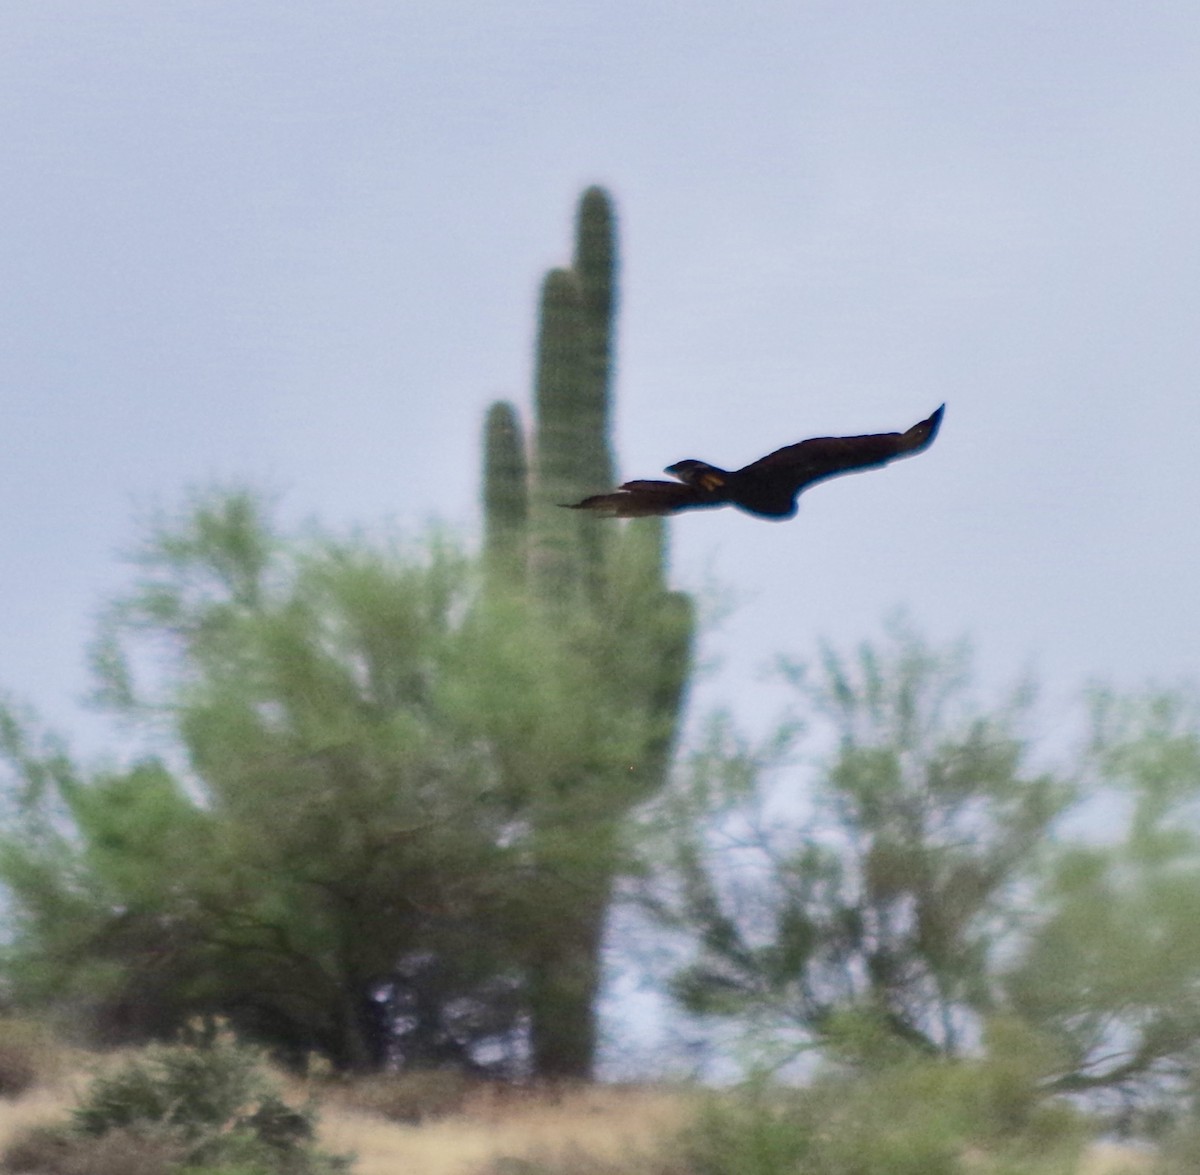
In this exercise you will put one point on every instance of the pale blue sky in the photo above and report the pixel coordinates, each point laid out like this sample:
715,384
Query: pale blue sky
299,245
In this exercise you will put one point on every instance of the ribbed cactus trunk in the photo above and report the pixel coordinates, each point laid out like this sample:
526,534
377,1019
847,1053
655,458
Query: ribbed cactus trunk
565,974
575,566
505,495
556,559
596,265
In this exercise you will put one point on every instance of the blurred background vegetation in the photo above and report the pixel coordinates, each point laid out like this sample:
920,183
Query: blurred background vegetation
376,801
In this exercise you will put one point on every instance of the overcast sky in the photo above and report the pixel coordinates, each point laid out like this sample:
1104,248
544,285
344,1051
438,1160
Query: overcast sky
299,245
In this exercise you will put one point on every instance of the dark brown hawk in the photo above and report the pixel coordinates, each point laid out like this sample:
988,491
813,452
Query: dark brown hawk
767,487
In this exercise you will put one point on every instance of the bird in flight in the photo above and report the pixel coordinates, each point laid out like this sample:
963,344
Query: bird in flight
767,487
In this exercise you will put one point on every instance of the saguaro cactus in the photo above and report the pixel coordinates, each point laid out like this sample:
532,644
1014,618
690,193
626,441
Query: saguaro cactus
596,265
611,578
556,565
506,492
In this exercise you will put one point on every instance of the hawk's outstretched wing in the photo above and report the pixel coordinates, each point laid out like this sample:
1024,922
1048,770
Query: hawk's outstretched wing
797,466
641,499
767,487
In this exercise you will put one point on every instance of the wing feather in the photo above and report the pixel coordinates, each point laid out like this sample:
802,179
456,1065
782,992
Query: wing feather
641,499
800,465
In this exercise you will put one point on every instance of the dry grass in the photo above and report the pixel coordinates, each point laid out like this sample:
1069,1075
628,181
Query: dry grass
53,1097
605,1122
611,1123
597,1122
1107,1158
40,1107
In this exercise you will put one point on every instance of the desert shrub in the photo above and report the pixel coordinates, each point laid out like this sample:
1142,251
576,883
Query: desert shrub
191,1089
418,1096
1179,1148
208,1108
912,1118
27,1056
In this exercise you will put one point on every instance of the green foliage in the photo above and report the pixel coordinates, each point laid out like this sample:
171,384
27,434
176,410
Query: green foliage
381,803
80,903
328,832
374,801
181,1108
193,1091
883,901
919,1117
1110,969
926,882
1179,1146
215,1101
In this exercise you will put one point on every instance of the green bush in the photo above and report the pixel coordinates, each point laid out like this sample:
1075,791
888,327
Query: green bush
1179,1150
911,1118
180,1108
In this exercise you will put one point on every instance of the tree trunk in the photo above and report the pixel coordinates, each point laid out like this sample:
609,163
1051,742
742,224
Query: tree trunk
564,987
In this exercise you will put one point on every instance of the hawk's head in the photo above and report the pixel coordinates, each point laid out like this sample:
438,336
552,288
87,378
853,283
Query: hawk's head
699,474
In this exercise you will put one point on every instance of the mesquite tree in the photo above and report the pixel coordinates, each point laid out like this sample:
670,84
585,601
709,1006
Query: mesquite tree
381,809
